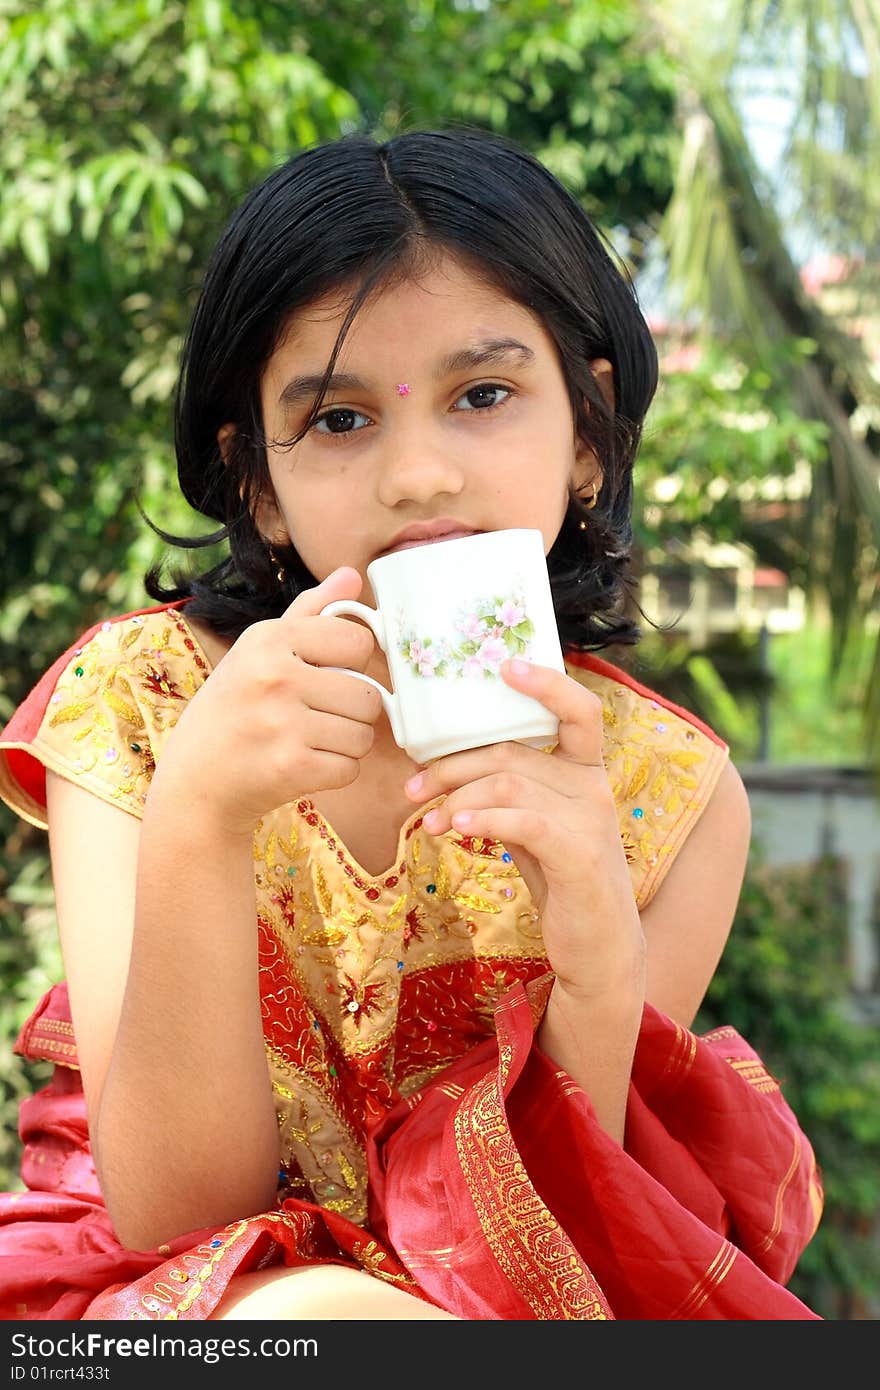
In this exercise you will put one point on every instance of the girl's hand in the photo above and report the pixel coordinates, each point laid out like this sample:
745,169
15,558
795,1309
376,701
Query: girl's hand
557,817
270,724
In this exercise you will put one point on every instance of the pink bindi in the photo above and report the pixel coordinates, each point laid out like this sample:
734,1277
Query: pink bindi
402,388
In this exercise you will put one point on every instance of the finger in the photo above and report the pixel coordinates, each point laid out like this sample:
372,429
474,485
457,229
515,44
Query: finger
503,763
331,642
502,789
344,582
332,733
327,641
329,771
335,693
522,826
578,710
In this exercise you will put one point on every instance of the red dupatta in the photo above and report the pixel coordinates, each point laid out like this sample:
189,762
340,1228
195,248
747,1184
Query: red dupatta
497,1196
542,1215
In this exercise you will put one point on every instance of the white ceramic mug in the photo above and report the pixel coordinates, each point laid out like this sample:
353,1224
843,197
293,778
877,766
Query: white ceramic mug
447,614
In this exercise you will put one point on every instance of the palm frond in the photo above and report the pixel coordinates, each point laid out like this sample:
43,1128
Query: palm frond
728,258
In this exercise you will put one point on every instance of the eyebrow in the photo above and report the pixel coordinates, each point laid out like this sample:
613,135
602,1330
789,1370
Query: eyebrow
485,354
490,353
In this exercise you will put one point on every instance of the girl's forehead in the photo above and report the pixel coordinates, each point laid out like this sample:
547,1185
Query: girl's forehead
446,294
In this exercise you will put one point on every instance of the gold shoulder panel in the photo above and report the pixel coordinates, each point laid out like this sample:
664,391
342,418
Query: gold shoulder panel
114,705
662,767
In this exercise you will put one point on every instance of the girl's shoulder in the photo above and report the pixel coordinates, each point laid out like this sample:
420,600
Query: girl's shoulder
101,711
663,764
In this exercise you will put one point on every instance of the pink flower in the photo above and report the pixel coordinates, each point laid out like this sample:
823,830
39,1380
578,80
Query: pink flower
509,614
472,666
492,653
473,626
424,659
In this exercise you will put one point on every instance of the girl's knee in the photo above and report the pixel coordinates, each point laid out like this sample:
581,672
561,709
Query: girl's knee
322,1292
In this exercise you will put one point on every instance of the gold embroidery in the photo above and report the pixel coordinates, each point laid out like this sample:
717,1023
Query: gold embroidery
372,1259
525,1238
122,707
780,1195
268,855
638,779
709,1281
208,1256
55,1025
475,903
684,1050
752,1069
62,1049
349,1176
717,1034
70,713
317,1141
325,897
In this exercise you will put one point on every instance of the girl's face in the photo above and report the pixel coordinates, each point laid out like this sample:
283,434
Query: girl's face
448,402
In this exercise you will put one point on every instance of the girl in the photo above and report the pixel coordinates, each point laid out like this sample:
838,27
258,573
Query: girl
341,1036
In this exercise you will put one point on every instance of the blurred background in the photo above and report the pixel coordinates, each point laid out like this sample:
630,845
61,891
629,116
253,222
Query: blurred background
729,153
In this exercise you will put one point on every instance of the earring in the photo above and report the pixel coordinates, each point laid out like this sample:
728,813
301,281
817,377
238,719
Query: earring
281,572
594,497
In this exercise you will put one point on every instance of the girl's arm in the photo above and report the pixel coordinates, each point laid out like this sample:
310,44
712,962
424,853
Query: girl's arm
173,1067
685,929
158,921
687,923
559,821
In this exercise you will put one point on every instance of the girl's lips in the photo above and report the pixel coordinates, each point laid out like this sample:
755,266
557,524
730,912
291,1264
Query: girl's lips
431,540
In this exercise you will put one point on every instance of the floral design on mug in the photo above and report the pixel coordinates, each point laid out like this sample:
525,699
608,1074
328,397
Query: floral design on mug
488,633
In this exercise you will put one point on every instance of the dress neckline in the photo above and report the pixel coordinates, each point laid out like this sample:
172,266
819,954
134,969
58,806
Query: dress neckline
305,806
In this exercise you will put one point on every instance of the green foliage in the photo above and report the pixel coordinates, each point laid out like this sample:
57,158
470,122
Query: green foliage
783,984
728,454
812,716
807,726
721,425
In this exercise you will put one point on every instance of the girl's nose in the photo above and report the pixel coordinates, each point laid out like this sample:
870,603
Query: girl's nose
417,470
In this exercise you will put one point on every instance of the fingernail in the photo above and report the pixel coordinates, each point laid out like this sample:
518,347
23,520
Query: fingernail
414,784
520,667
432,819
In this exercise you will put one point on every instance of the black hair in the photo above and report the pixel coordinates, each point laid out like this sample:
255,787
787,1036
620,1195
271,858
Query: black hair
356,212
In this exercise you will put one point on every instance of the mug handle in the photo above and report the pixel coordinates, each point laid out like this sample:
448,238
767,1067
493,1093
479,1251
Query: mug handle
374,620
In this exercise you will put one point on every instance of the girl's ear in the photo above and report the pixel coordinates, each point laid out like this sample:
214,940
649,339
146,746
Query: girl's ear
224,439
603,375
269,521
267,518
588,472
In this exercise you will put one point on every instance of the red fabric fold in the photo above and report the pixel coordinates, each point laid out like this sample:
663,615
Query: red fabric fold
581,1228
494,1194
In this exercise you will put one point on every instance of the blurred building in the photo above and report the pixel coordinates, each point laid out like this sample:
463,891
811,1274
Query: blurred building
708,588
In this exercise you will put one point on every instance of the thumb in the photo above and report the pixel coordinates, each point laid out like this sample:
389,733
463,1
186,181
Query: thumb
344,582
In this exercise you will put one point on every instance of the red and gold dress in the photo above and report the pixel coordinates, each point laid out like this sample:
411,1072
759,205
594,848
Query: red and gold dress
425,1138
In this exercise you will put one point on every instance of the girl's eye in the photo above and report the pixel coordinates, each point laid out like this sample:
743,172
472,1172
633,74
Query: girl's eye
485,396
339,420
